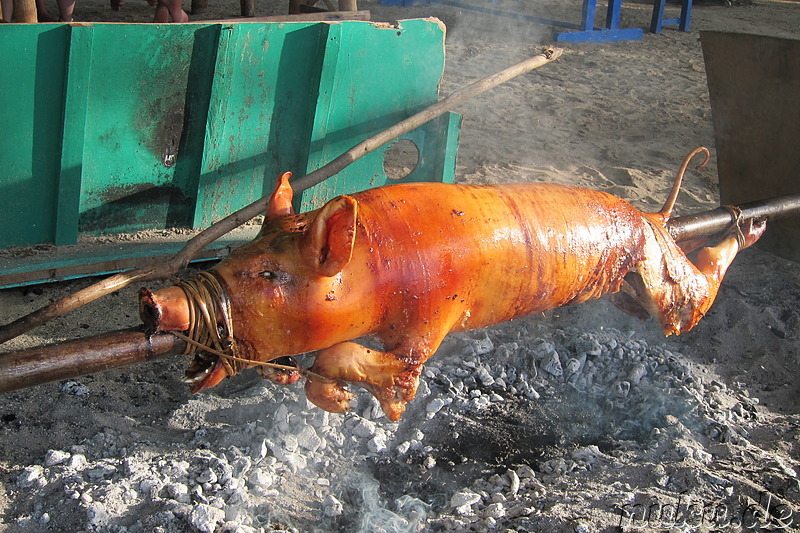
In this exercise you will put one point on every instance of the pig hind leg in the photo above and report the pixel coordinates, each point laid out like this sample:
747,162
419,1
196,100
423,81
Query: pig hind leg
677,292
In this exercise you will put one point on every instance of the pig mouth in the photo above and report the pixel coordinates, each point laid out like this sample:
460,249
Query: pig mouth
202,366
206,370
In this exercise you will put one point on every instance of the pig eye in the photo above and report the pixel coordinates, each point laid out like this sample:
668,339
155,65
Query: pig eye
276,276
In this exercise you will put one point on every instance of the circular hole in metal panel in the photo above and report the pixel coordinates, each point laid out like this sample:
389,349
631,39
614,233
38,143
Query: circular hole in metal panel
401,159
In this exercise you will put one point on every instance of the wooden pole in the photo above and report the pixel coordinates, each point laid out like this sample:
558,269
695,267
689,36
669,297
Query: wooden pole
25,12
26,368
172,266
248,8
302,17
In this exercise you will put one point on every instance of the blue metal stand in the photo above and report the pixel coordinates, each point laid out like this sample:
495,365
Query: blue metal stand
586,30
611,31
658,16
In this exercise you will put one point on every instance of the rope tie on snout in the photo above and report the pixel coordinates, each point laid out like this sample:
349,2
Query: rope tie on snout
211,328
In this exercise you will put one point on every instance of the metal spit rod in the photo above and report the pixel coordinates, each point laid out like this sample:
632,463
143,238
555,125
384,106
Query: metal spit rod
717,220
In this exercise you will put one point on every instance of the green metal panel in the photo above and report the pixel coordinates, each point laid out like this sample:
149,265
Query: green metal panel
384,60
110,128
260,112
76,102
137,111
34,63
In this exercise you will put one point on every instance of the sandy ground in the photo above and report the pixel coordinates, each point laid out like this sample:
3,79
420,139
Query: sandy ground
615,117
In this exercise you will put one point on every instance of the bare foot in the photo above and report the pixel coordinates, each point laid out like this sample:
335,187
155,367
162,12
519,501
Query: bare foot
162,14
170,11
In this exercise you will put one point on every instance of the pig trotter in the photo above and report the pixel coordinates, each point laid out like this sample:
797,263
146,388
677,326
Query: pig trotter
392,381
330,395
747,232
753,230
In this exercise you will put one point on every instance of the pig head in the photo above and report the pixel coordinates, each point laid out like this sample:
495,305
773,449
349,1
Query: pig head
301,286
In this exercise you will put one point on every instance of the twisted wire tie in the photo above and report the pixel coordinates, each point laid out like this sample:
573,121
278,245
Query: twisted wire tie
736,213
208,300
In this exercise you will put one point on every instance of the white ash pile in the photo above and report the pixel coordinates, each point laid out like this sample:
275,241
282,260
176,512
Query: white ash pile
513,429
260,476
577,431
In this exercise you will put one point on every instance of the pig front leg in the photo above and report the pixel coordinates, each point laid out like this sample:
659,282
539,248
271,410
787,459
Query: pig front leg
393,380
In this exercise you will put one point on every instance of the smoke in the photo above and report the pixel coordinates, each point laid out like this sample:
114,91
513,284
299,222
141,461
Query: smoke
410,515
470,22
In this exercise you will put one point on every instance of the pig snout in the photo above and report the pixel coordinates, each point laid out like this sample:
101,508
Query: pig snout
164,310
169,310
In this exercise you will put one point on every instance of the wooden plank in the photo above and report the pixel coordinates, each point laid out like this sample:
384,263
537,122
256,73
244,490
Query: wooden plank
98,265
260,113
349,112
32,81
28,266
448,146
754,85
325,115
134,175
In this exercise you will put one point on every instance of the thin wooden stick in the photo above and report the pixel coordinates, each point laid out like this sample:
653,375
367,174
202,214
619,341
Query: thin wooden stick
424,116
180,260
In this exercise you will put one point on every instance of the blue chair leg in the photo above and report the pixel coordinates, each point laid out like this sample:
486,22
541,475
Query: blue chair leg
589,7
612,15
658,15
686,15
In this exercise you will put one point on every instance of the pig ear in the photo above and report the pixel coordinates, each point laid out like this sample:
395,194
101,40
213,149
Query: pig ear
329,241
280,203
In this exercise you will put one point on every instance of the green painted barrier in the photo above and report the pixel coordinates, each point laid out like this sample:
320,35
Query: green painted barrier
112,128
